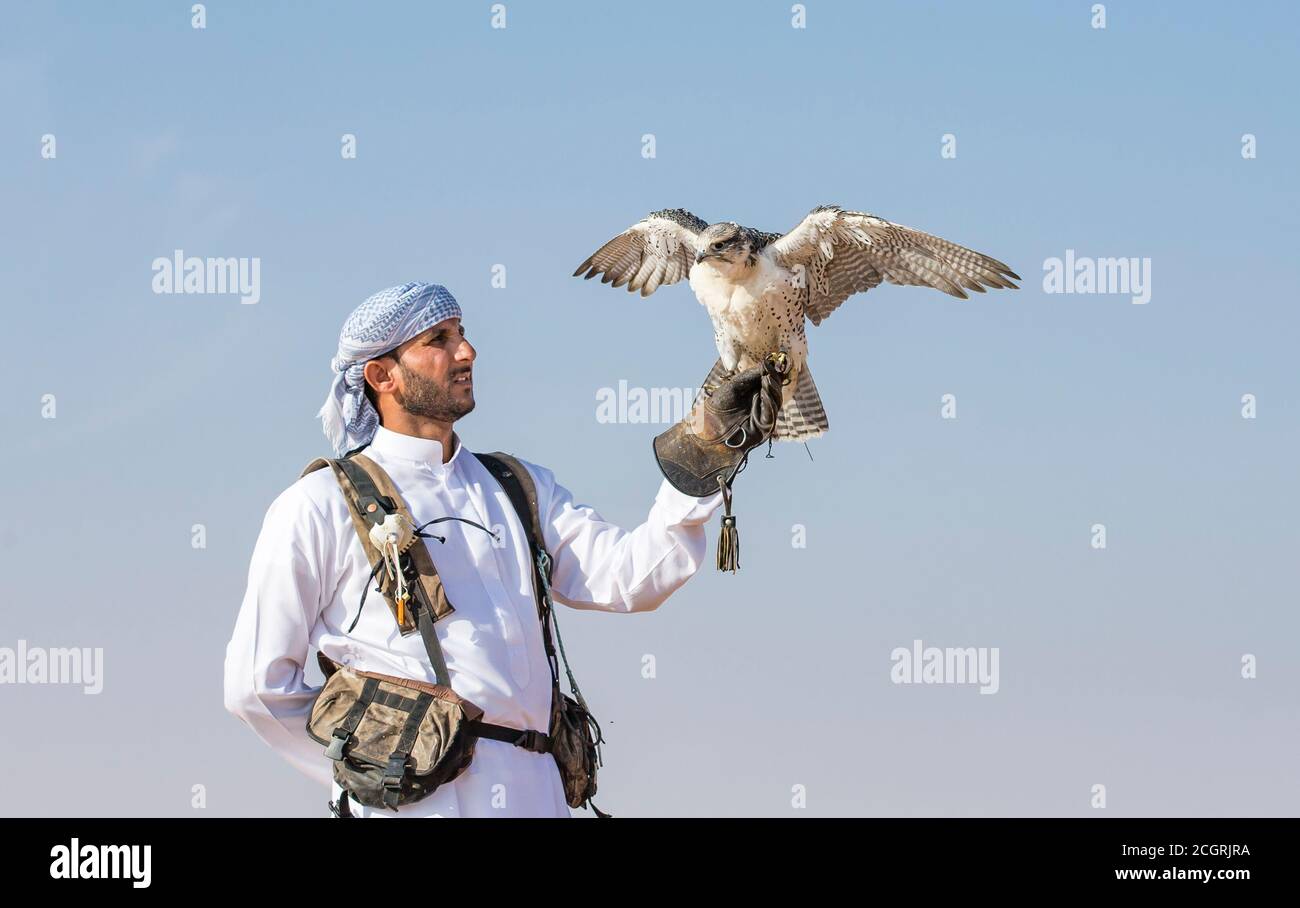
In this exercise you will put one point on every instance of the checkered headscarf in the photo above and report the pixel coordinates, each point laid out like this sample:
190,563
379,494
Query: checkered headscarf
384,321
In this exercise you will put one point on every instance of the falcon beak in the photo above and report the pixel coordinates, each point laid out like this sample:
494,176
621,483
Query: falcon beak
701,256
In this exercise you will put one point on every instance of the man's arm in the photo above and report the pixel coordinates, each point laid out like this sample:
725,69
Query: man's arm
265,659
599,565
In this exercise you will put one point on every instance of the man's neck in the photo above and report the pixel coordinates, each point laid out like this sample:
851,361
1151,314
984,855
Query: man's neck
422,427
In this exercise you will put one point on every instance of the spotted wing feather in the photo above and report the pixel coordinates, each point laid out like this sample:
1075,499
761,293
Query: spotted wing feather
841,253
657,250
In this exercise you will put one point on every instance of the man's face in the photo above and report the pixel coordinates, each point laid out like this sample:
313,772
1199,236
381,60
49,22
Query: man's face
434,373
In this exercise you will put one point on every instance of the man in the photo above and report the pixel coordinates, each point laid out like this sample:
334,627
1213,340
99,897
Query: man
403,376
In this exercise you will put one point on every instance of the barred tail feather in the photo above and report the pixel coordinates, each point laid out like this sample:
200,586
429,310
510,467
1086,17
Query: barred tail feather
802,415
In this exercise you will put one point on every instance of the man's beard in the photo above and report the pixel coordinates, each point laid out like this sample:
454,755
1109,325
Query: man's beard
425,397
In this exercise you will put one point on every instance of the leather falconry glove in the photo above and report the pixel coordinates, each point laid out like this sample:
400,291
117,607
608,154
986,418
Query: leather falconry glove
705,452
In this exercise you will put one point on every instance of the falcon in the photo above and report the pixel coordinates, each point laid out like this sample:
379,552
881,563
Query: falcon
759,287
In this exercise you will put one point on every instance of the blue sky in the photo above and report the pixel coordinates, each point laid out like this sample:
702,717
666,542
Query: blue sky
522,147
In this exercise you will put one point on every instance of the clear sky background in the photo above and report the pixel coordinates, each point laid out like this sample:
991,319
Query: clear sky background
522,147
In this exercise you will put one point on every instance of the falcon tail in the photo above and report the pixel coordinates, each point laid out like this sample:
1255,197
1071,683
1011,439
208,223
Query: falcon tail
802,415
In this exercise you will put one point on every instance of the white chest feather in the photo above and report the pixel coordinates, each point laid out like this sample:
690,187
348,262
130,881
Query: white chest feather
757,306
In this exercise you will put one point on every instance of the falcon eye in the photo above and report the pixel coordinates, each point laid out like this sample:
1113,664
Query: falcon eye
717,247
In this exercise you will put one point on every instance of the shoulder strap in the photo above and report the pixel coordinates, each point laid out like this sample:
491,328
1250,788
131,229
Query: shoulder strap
318,464
371,495
383,490
522,492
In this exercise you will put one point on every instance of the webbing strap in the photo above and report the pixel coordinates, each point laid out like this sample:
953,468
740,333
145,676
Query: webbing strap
519,487
528,739
341,809
522,492
371,496
525,506
374,506
412,726
395,700
430,637
343,731
353,718
426,573
396,768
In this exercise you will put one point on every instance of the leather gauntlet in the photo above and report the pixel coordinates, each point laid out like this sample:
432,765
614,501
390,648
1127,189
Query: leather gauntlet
703,453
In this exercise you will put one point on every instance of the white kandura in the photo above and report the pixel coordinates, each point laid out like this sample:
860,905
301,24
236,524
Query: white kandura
307,574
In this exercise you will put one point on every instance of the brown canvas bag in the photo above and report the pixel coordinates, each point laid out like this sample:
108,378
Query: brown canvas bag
392,740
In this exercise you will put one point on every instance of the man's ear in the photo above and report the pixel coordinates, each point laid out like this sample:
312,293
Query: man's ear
377,372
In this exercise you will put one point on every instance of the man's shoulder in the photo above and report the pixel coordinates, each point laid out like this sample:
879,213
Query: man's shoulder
541,476
317,491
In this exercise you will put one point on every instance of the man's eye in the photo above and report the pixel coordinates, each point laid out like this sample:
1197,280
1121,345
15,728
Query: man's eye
442,338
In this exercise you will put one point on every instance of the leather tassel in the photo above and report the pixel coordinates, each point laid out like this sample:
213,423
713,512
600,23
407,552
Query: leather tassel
729,539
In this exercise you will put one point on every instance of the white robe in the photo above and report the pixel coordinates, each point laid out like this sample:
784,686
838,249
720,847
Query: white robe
307,574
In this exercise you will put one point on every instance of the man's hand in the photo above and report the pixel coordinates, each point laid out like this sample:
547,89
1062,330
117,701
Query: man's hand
707,448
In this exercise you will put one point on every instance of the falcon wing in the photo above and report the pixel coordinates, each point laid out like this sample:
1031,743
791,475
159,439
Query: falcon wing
658,249
847,252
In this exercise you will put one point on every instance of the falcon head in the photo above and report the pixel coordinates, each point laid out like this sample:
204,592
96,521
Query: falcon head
726,243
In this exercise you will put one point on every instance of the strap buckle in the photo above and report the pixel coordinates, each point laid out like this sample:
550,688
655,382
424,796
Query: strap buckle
533,740
337,742
394,772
